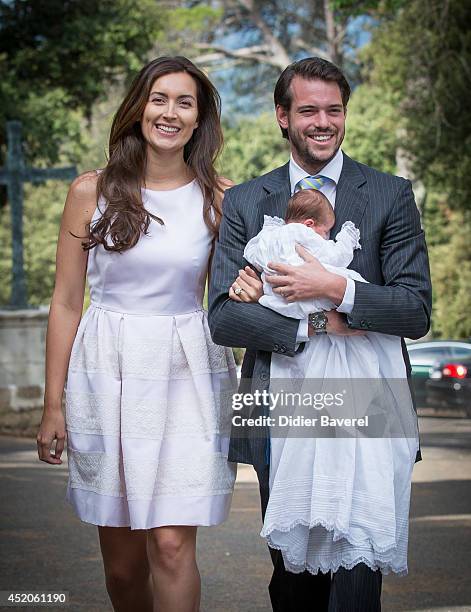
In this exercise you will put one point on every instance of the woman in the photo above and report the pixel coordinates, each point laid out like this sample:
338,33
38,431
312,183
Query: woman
145,426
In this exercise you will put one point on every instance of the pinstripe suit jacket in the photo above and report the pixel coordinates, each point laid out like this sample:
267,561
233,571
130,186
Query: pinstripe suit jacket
393,258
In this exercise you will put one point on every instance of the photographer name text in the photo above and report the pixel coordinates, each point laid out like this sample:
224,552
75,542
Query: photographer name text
298,421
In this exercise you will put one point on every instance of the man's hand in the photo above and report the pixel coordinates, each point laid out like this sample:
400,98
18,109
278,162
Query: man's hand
249,283
311,280
337,324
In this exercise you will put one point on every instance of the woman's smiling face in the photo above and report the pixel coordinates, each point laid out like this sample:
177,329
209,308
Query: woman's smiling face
171,113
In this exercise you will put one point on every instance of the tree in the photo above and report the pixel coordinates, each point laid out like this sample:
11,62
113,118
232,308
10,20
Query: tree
255,40
450,261
59,59
274,32
419,60
420,56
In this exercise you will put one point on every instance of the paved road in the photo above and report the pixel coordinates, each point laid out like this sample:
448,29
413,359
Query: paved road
44,547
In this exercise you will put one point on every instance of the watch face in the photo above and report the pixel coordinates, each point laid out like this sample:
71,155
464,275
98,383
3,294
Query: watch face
318,320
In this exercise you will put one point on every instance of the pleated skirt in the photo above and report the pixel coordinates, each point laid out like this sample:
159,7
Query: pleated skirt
147,422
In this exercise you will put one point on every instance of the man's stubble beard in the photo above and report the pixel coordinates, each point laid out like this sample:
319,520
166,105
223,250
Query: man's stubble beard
302,149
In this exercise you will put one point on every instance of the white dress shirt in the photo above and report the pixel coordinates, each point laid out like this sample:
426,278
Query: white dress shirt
332,170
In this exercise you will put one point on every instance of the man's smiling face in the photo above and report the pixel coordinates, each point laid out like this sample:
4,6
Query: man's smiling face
315,121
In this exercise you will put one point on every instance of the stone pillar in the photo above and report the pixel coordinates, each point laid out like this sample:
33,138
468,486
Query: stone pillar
22,356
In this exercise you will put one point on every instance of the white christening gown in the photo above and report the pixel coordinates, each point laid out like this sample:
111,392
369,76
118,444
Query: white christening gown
147,434
337,501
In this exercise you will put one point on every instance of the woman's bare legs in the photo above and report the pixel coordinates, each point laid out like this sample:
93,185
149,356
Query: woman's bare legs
127,572
172,559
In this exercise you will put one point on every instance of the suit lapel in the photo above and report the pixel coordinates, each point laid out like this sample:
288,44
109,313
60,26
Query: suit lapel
350,200
277,189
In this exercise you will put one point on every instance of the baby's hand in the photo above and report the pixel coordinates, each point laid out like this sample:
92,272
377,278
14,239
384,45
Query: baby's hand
247,287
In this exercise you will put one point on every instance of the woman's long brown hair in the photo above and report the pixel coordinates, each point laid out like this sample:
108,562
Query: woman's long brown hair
124,218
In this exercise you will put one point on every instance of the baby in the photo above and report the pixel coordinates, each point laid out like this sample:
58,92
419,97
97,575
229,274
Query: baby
308,222
335,501
311,208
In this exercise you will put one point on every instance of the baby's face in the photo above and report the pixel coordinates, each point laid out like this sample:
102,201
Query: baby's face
323,229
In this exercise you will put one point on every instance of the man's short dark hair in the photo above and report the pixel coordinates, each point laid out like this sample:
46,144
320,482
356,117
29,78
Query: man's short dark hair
310,68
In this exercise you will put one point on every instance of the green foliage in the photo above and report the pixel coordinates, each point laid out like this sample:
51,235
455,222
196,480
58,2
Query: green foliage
58,59
451,277
252,147
77,45
194,20
423,57
372,7
371,128
95,137
435,218
238,354
47,120
183,28
418,66
42,214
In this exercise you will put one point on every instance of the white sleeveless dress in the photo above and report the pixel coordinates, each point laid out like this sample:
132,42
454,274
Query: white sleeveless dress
147,432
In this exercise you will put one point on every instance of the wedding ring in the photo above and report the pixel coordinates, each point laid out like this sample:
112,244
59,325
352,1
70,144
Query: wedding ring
238,290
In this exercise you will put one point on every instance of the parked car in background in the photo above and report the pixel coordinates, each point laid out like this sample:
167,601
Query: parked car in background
425,355
449,385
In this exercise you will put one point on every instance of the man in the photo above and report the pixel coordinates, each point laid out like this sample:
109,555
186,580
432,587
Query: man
311,99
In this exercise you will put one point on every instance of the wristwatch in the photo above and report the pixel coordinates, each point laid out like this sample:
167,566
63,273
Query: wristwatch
318,322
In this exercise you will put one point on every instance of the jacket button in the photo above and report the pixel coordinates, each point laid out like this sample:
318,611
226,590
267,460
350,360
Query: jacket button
264,376
276,348
363,323
282,349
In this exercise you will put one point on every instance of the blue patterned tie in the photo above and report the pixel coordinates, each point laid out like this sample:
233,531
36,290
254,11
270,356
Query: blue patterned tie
311,182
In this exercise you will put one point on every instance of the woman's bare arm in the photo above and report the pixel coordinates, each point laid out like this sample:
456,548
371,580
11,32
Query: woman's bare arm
65,311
